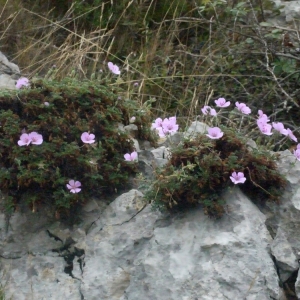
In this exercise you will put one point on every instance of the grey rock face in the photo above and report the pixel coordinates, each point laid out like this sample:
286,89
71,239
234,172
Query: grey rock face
290,10
132,252
196,127
283,221
284,255
9,72
193,257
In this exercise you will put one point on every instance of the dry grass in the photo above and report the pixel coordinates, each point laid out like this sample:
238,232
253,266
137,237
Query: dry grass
184,60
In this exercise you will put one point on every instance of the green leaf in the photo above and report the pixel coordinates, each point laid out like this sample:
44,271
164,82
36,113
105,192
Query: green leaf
265,24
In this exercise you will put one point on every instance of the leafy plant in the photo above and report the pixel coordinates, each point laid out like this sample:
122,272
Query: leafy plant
57,114
200,170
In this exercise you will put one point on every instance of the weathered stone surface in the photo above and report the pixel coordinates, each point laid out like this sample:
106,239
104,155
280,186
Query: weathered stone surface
9,72
284,255
290,10
132,252
283,221
190,256
196,127
7,67
6,82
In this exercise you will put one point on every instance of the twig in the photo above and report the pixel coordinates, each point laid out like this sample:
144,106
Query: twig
256,184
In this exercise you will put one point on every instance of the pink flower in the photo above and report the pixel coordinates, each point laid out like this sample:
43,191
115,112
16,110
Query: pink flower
265,128
214,133
278,126
88,138
297,153
132,120
36,139
166,126
213,112
73,186
131,157
25,140
237,177
23,81
291,135
136,84
46,103
243,108
33,137
262,118
114,68
208,110
262,115
169,125
221,102
157,123
205,110
160,132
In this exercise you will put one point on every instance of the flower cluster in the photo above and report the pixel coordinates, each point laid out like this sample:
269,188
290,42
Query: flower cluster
263,125
31,138
37,139
165,127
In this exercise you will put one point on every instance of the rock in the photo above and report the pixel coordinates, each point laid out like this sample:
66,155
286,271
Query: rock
286,260
148,255
8,68
132,130
290,10
133,252
283,221
196,127
9,72
6,82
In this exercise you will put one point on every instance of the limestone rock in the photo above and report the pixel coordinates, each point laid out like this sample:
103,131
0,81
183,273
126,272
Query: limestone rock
284,255
6,82
128,251
9,72
132,252
283,221
196,127
290,10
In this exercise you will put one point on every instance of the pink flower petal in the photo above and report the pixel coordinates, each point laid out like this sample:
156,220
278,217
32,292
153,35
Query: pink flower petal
88,138
74,186
25,140
237,177
214,133
114,68
22,82
221,102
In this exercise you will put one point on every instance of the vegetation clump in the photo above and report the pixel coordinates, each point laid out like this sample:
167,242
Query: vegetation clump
62,142
200,169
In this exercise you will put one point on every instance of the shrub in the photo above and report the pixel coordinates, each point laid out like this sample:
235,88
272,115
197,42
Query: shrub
60,112
200,169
